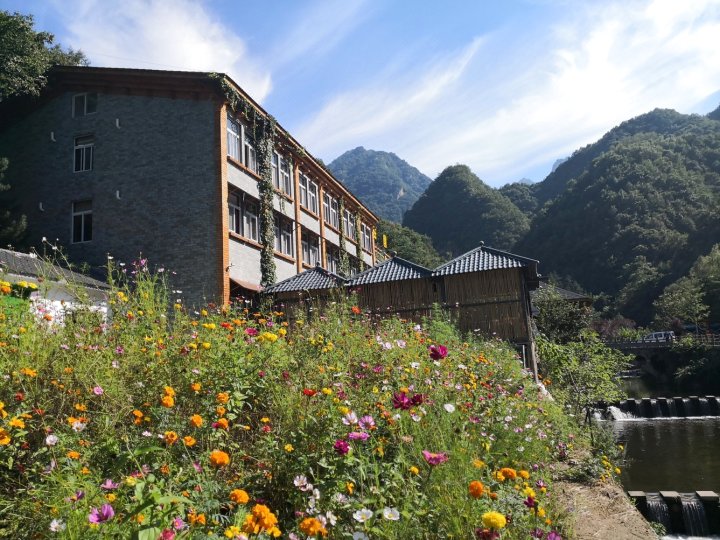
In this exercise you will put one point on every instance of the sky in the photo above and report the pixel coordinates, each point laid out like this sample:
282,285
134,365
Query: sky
505,87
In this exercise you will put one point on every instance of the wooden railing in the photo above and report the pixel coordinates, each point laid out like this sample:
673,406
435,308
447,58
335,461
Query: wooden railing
710,340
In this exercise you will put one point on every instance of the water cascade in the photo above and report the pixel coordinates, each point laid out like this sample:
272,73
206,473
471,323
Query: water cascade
693,514
657,510
662,407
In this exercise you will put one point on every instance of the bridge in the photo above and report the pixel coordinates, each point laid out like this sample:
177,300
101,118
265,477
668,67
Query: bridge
632,346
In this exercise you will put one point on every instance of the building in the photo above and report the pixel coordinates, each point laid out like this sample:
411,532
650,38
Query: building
185,169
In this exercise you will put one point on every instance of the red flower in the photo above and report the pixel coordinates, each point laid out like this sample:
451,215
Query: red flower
309,392
437,352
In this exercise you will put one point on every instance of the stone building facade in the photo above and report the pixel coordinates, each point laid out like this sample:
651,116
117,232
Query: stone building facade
129,162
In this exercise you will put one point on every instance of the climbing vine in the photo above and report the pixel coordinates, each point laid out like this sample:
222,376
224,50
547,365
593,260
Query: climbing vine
344,260
265,142
358,238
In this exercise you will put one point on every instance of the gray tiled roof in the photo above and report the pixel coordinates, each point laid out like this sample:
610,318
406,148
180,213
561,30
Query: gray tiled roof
315,278
30,265
393,269
480,259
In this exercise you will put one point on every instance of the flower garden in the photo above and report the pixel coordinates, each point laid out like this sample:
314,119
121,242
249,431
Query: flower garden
226,423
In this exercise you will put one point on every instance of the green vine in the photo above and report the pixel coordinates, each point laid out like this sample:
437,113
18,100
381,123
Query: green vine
358,239
344,260
265,140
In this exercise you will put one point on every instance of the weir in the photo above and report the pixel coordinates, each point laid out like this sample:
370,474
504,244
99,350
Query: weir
695,514
665,407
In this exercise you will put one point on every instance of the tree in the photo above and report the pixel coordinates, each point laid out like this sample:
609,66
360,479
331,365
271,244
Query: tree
409,244
25,58
682,300
559,320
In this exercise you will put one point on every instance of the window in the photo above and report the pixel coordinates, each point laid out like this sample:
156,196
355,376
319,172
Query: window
233,139
84,104
330,208
281,176
366,239
308,194
81,222
250,157
84,153
310,248
349,224
354,266
243,216
284,236
332,262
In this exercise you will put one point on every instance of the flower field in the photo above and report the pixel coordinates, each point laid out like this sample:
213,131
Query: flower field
164,423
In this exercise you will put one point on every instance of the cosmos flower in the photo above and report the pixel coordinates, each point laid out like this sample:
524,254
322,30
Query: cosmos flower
105,513
433,458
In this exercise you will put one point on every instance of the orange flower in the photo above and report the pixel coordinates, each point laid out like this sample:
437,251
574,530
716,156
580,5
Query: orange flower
167,401
356,310
72,454
171,437
220,410
476,489
218,458
223,397
189,441
196,519
168,391
239,496
222,423
312,527
196,420
16,423
195,387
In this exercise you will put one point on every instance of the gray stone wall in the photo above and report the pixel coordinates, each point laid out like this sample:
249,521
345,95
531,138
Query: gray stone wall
154,183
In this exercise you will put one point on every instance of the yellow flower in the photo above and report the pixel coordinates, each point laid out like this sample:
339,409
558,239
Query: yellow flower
494,520
222,397
414,470
524,474
196,420
167,401
111,497
130,480
218,458
189,441
289,448
195,387
16,423
28,372
171,437
4,437
205,345
239,496
327,391
478,463
232,531
265,420
350,487
72,454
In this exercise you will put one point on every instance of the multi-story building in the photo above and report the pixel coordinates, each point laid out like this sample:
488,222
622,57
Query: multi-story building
183,168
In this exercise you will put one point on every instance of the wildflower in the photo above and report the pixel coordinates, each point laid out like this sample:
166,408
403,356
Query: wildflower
51,440
312,527
105,513
233,531
476,489
171,437
289,448
196,519
189,441
98,390
494,520
553,536
167,534
239,496
108,485
218,458
28,372
222,423
309,392
356,310
433,458
478,463
391,514
196,420
57,525
195,387
16,423
363,515
449,407
400,400
437,352
223,397
72,454
414,470
366,422
358,436
524,474
4,437
167,401
341,447
350,419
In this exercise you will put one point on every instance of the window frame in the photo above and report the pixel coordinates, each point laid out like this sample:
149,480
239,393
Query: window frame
331,208
310,243
85,227
349,224
84,147
234,139
85,103
284,235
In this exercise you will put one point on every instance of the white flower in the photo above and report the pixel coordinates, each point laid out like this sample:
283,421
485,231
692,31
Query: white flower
363,515
51,440
391,514
350,419
330,518
359,535
78,426
147,434
462,366
57,525
449,407
300,481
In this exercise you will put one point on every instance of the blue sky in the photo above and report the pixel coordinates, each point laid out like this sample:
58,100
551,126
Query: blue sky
506,87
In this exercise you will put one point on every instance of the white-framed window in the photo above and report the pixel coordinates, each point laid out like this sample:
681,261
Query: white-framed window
234,134
349,223
310,248
84,149
308,194
235,213
366,237
250,214
354,266
281,177
82,221
330,209
284,237
304,190
332,260
249,154
243,216
84,104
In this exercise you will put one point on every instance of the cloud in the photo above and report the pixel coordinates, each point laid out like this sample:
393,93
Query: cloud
161,34
509,106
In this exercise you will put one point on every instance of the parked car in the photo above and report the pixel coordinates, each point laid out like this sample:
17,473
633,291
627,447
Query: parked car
666,335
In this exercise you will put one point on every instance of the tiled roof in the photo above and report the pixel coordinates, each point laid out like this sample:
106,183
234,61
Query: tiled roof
25,264
315,278
394,269
480,259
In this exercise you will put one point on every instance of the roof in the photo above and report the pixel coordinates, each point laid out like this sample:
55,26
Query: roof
29,264
563,293
394,269
483,258
313,279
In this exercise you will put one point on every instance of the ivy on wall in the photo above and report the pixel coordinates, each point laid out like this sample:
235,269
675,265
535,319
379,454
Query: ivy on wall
344,266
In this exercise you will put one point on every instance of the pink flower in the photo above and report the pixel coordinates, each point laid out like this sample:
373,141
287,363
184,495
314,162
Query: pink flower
400,400
251,331
98,391
108,485
366,422
167,534
341,447
106,513
437,352
433,458
358,436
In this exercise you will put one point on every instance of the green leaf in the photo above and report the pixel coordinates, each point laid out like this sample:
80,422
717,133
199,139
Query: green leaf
151,533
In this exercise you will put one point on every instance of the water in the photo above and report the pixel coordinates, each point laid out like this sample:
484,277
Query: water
670,454
693,515
658,510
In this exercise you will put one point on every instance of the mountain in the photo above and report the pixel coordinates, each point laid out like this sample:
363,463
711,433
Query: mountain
382,181
458,211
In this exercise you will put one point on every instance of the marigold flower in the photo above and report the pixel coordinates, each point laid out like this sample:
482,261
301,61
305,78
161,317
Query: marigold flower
221,423
220,410
189,441
524,474
168,401
169,391
232,531
16,423
476,489
28,372
494,520
239,496
4,437
195,387
312,527
414,470
196,519
196,420
289,448
218,458
72,454
223,397
171,437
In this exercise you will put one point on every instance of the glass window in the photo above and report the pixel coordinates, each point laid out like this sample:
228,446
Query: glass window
250,156
84,147
349,224
304,190
330,208
250,220
234,213
81,222
366,237
84,104
310,248
312,196
233,139
284,238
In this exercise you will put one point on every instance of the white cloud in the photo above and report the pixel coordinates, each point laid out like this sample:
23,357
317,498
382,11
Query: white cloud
505,113
161,34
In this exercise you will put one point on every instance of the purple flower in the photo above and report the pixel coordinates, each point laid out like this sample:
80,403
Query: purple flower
358,436
437,352
366,422
418,399
341,447
108,484
400,400
98,391
433,458
79,495
178,523
106,513
553,536
537,533
529,502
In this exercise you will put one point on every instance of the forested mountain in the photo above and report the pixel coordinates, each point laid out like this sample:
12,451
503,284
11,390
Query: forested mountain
458,211
384,182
